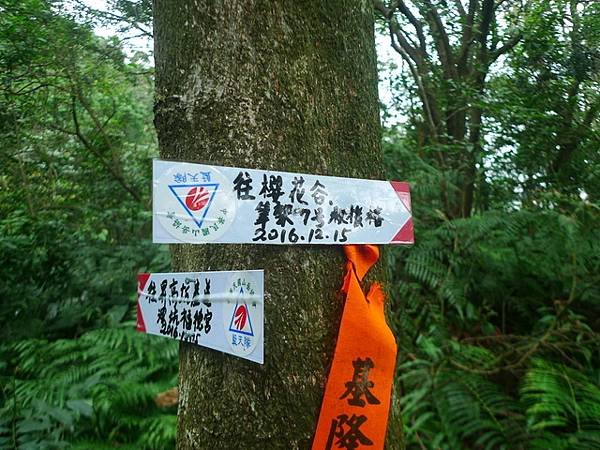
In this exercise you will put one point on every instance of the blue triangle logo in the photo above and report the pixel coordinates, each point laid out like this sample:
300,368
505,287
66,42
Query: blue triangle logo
241,321
195,199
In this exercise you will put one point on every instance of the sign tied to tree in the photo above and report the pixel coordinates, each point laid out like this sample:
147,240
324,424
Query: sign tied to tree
357,395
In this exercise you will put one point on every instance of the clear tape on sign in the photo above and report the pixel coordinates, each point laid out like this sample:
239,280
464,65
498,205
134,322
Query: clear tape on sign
213,298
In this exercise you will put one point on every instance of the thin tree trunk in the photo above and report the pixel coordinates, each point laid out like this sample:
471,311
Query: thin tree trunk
272,85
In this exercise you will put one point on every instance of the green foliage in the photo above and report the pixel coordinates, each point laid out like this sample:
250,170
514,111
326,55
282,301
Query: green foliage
497,312
448,409
99,387
558,397
496,307
77,139
546,103
74,169
497,319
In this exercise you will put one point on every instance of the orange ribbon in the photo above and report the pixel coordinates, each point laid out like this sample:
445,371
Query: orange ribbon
356,404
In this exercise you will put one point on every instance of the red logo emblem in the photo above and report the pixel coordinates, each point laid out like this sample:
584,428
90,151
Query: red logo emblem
196,199
241,315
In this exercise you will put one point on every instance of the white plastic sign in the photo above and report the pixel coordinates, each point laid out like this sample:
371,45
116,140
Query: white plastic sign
198,204
219,310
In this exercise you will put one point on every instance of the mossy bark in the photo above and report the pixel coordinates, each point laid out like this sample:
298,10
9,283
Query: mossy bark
272,85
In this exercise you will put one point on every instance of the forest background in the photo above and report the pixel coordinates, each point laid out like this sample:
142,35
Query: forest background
491,113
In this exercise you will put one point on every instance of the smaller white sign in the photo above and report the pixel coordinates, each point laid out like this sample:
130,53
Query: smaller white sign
219,310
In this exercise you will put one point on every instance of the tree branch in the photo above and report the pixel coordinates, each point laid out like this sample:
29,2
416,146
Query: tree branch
487,16
506,47
118,178
499,3
429,115
388,14
461,9
416,23
409,49
442,42
117,18
467,37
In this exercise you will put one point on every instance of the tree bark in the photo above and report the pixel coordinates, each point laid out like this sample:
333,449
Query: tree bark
272,85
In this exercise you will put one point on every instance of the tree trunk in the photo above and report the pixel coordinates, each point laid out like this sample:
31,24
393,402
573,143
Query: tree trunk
272,85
